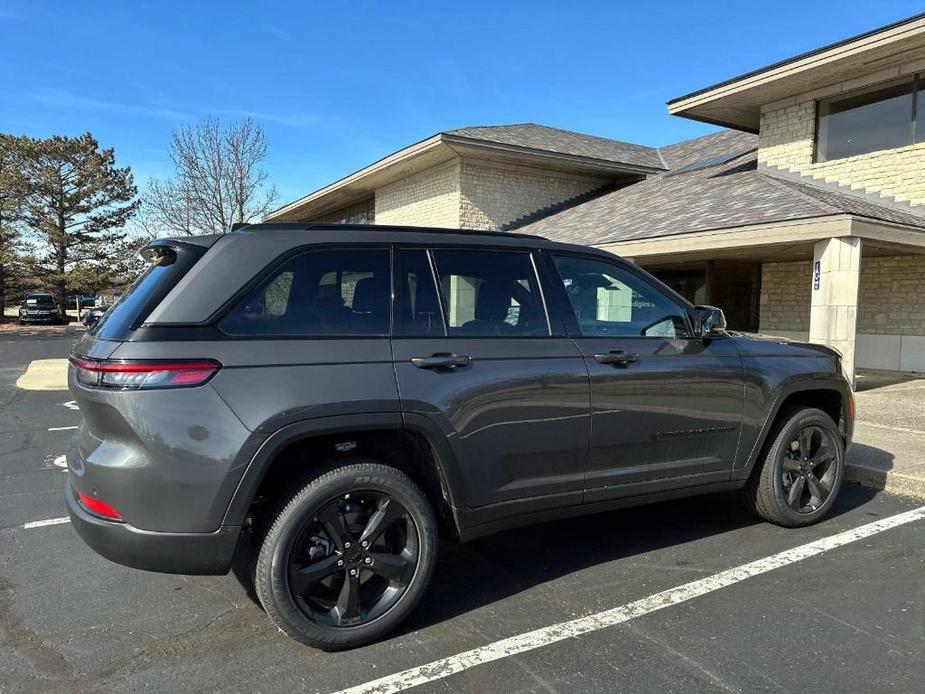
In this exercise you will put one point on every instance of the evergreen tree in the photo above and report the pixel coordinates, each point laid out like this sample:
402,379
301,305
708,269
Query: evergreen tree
12,190
77,204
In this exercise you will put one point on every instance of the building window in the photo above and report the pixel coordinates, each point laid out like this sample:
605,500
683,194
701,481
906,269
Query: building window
882,117
362,212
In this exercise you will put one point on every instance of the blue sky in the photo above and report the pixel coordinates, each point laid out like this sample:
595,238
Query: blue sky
340,84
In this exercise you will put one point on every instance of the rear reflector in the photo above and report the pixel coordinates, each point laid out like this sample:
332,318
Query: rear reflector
144,375
95,506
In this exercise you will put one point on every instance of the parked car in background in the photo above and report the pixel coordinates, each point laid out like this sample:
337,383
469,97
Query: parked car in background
326,399
40,308
93,315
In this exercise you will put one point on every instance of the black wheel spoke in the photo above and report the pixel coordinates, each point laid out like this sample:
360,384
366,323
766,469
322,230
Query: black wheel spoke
333,520
393,567
826,453
386,514
304,578
806,442
790,465
795,495
348,602
817,490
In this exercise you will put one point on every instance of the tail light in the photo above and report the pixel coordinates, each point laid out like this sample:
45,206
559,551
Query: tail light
98,507
144,375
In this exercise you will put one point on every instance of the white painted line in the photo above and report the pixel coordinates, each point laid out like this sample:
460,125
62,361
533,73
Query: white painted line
43,523
890,428
60,461
71,405
62,428
545,636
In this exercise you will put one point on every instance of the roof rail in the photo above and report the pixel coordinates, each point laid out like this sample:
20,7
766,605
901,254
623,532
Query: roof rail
309,226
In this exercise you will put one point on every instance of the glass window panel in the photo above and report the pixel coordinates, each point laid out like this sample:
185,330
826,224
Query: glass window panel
610,301
490,293
869,121
321,292
417,308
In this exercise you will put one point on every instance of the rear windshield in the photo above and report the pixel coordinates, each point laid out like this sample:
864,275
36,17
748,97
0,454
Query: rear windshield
168,265
40,300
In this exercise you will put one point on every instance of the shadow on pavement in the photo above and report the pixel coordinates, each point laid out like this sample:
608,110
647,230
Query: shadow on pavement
494,568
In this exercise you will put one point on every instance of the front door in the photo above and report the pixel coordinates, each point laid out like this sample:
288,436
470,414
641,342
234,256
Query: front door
666,405
474,354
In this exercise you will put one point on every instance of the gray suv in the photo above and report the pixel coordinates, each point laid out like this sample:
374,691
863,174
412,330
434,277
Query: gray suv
325,401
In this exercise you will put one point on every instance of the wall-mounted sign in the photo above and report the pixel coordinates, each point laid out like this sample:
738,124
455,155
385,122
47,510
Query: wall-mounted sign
817,274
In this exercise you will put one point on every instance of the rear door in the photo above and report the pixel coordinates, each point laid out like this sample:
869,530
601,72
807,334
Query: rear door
476,358
666,405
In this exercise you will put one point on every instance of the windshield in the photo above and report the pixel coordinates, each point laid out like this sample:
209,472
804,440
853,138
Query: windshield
40,300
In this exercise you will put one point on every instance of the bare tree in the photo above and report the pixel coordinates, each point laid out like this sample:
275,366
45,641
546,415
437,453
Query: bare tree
219,180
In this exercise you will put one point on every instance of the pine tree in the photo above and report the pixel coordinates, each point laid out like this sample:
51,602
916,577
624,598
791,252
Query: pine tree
12,190
77,204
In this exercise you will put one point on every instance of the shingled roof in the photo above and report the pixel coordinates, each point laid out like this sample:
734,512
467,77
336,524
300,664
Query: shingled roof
547,139
714,183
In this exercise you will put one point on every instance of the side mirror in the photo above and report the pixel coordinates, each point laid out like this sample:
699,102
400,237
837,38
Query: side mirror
712,321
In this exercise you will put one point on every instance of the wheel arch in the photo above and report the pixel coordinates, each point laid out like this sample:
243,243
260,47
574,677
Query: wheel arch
832,396
300,449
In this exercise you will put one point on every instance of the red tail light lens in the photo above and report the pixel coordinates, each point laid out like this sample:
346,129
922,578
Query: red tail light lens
100,508
144,375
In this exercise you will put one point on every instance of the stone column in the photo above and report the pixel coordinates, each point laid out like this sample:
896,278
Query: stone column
834,310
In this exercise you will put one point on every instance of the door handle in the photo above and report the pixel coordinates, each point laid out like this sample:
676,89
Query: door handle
438,361
616,357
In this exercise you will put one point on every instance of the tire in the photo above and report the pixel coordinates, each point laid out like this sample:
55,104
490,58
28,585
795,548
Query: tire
792,489
319,532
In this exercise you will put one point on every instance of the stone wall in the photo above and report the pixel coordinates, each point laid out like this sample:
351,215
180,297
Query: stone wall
495,195
891,297
786,140
428,198
785,297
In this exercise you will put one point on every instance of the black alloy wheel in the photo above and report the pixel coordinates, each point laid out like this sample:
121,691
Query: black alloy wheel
353,560
809,469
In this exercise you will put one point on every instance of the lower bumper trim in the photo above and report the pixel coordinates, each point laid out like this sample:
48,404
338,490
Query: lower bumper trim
172,553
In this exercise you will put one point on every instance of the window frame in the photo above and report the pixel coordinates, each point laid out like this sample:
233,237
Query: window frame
277,264
570,320
430,248
914,137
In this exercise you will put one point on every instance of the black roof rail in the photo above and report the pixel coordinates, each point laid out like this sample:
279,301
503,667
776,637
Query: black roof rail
308,226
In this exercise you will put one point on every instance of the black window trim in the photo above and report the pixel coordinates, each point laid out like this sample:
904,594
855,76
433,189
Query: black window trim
530,251
281,260
571,321
916,81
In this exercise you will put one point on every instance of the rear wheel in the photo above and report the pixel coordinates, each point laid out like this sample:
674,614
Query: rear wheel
801,471
349,557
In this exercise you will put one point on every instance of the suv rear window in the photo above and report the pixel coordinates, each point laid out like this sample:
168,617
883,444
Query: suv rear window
319,293
168,265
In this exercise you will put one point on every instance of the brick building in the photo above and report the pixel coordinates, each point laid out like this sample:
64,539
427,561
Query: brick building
803,218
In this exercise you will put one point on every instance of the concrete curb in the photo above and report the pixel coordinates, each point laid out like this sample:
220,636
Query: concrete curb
44,374
885,480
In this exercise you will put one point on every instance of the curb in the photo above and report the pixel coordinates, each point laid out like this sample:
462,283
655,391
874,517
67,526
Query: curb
886,481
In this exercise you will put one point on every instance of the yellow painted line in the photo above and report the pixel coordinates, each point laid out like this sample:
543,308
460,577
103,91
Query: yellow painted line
44,374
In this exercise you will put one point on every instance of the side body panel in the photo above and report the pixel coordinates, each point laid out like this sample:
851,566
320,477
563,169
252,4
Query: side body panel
672,417
516,418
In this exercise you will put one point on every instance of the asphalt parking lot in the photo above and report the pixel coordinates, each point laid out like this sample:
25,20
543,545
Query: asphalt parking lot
848,616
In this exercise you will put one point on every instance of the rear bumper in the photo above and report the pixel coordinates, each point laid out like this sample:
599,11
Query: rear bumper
173,553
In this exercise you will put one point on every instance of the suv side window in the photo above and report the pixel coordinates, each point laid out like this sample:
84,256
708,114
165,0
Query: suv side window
319,293
489,293
610,301
417,306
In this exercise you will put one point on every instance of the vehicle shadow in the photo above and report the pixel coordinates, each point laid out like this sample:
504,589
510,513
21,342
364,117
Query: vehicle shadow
497,567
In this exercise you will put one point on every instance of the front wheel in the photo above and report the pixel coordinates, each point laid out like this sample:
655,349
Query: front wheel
801,472
349,557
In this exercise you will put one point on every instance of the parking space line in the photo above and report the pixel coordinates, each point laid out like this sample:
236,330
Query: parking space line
43,523
545,636
62,428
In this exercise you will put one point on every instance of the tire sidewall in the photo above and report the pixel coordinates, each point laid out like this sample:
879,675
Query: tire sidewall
788,433
275,552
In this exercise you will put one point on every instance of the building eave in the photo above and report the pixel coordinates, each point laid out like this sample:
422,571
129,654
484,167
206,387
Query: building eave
737,102
439,149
